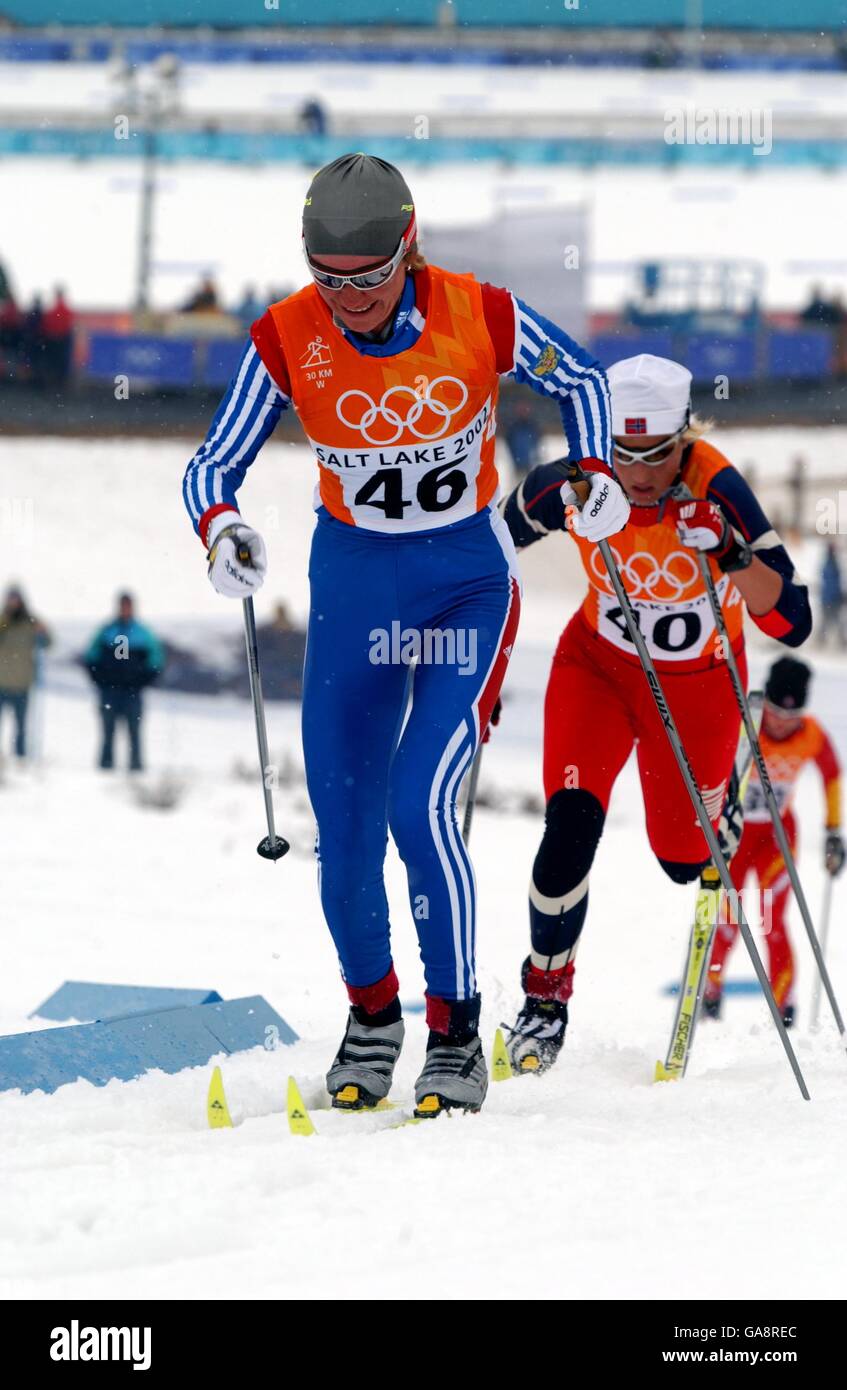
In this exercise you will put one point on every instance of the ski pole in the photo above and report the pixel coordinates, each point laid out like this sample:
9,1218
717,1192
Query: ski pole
816,993
767,788
681,757
471,801
273,846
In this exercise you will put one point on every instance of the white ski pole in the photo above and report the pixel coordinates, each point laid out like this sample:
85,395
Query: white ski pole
816,992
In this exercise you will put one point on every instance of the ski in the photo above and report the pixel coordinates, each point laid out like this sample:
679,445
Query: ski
706,911
300,1121
299,1117
697,963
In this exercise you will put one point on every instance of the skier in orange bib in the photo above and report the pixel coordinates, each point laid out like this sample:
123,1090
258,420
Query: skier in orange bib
686,497
790,739
393,367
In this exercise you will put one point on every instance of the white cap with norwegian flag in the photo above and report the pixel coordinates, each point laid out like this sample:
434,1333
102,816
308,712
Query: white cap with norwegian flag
650,395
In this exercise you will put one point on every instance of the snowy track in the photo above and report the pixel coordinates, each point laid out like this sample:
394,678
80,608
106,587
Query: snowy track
576,1184
591,1181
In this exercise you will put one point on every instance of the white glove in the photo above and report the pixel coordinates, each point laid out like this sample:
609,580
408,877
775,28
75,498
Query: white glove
232,577
605,510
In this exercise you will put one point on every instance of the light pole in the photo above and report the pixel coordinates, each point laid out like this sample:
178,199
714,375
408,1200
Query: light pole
150,96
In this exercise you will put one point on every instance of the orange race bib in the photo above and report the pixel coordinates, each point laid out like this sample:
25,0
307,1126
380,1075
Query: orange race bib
403,443
662,578
785,759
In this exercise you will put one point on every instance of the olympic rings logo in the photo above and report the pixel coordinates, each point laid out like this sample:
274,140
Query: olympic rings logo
643,574
392,416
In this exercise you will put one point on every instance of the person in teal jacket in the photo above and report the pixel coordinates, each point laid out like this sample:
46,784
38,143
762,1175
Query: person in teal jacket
122,658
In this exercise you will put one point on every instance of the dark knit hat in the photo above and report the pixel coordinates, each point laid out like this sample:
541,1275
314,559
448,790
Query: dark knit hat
358,206
787,685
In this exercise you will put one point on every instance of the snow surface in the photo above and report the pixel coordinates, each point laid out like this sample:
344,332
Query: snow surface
589,1182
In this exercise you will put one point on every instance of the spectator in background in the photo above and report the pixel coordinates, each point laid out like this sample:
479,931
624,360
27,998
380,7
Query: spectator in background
832,598
283,648
32,341
311,117
250,308
796,485
11,333
203,300
58,329
523,438
22,636
280,620
750,474
825,313
840,336
123,657
661,51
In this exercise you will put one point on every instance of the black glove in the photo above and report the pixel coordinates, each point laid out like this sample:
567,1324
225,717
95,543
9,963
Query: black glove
494,720
834,854
731,823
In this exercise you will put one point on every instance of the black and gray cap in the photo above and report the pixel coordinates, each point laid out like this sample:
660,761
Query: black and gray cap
358,206
787,684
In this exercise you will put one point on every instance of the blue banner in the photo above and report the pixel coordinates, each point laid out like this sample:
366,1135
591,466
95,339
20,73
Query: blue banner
153,361
220,361
800,355
612,347
717,354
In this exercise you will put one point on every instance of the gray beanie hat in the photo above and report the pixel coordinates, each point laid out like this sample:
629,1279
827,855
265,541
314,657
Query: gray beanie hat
358,206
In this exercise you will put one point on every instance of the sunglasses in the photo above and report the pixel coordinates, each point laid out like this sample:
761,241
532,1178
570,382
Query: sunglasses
779,711
365,280
655,455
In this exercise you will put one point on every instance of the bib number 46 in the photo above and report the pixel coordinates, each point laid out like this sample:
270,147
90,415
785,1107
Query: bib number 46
437,491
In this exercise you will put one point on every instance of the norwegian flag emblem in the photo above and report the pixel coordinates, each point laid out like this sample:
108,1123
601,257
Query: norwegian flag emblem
637,425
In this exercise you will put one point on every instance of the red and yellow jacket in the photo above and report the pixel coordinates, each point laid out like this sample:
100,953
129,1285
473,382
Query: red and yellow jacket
785,759
661,575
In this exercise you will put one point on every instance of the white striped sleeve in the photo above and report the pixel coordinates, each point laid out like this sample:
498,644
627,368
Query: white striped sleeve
245,418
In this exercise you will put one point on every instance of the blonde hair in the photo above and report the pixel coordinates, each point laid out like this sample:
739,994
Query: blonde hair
697,427
414,260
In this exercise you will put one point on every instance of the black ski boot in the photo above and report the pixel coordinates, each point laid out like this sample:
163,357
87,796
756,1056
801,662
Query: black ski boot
454,1077
731,823
538,1035
360,1077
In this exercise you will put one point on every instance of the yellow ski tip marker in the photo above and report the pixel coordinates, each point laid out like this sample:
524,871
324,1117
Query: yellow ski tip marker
299,1119
217,1110
664,1073
501,1067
